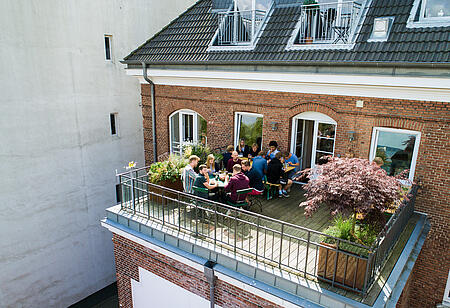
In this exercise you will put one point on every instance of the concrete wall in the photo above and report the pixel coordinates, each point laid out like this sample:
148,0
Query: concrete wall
57,155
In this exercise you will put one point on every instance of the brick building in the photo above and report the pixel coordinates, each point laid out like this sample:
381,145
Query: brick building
342,79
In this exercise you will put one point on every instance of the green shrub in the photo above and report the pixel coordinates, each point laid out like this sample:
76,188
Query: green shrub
168,170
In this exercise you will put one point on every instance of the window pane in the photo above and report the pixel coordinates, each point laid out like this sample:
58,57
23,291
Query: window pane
251,129
107,48
396,151
188,127
299,139
201,130
112,120
437,8
325,145
175,132
326,130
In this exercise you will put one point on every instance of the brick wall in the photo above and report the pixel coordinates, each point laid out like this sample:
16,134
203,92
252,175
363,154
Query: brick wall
432,119
130,255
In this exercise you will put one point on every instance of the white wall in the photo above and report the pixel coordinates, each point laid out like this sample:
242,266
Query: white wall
154,291
57,156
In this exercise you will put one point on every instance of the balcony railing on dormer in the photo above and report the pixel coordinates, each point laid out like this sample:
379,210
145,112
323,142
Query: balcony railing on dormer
238,27
328,23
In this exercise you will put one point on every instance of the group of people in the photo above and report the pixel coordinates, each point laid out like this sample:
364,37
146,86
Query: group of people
248,167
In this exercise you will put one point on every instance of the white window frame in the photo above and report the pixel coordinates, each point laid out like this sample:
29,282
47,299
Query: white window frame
424,22
237,125
373,145
109,36
181,112
318,118
434,18
446,300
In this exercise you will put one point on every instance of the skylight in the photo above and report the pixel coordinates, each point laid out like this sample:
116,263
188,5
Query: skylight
381,28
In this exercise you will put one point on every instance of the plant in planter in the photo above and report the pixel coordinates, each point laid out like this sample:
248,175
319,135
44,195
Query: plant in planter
350,186
200,150
168,172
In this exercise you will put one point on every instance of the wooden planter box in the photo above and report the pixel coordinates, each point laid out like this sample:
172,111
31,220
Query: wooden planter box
177,185
354,265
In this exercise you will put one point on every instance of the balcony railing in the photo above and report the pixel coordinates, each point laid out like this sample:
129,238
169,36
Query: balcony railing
328,23
276,243
238,27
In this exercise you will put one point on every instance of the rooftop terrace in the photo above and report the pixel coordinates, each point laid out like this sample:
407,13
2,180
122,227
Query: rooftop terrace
280,246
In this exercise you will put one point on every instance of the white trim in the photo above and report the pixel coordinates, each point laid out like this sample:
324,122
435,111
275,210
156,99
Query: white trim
446,300
199,267
182,112
374,141
236,124
395,87
424,22
318,118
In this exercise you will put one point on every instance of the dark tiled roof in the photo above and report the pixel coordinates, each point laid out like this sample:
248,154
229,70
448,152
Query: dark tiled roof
186,40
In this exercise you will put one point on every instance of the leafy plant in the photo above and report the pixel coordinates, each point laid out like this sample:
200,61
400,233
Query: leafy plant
167,170
200,150
350,186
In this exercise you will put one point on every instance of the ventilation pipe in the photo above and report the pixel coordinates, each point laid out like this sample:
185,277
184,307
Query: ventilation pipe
152,91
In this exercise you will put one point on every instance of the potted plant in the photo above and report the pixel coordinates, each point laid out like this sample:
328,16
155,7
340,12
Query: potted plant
311,9
168,172
350,186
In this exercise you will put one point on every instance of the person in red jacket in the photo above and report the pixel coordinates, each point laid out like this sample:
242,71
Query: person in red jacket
237,181
233,161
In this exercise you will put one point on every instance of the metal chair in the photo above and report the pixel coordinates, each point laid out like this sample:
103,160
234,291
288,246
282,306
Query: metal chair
240,203
270,188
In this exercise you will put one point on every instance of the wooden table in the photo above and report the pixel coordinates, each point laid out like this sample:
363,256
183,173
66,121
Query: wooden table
288,169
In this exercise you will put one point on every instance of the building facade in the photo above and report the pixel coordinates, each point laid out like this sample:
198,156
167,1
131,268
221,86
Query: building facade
313,92
60,85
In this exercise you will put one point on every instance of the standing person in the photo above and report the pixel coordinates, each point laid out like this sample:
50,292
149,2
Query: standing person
227,156
255,178
260,164
292,161
276,175
211,164
237,181
242,148
202,180
233,161
253,151
273,145
188,174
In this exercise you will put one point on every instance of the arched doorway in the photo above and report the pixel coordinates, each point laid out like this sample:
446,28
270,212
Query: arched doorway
313,136
186,126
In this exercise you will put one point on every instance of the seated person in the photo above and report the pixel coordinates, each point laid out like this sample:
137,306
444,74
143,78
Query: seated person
188,174
255,178
276,175
259,164
237,181
227,156
211,164
242,148
253,151
202,180
273,145
292,161
233,161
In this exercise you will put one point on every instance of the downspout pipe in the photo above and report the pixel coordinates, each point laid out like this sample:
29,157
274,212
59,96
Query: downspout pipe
209,274
152,94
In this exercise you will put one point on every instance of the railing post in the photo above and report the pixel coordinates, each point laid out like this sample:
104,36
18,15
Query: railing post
132,192
235,230
235,23
162,203
335,263
369,260
121,191
307,251
257,237
281,245
215,224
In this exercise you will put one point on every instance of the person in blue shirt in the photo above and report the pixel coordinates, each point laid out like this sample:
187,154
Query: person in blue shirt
292,161
260,164
273,145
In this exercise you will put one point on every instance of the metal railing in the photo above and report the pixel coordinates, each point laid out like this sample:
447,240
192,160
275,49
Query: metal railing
294,248
238,27
328,23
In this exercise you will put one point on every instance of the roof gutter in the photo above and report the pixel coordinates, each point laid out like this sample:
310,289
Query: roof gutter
299,63
152,91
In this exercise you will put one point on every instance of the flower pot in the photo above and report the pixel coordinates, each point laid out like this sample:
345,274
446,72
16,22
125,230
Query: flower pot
350,270
177,185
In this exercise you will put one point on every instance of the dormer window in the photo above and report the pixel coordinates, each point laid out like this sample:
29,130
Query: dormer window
240,24
327,23
429,13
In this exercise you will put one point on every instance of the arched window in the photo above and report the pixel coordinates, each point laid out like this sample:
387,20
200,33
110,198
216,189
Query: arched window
313,136
186,126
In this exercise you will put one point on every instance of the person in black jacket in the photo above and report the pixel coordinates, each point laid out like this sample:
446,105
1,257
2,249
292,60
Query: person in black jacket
242,148
276,175
226,156
253,151
255,178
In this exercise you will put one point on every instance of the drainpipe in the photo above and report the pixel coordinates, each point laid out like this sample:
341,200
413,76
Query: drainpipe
209,274
152,91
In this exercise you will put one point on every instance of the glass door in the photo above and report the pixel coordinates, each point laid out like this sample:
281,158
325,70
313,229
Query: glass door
324,143
187,127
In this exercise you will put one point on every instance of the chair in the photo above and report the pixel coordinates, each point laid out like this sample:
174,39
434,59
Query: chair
254,201
270,188
240,203
202,190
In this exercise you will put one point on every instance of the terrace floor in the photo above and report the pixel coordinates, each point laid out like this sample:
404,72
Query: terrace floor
253,236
